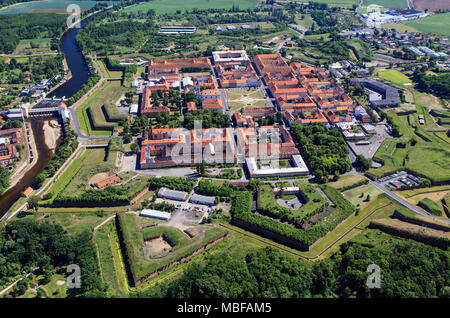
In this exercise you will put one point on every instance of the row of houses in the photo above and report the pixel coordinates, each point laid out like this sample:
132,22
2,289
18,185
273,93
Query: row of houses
304,93
171,147
10,140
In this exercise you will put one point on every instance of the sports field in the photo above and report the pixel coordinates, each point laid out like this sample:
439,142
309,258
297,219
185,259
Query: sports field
172,6
437,24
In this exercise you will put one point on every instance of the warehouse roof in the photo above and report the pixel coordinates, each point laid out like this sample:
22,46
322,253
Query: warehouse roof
172,194
203,199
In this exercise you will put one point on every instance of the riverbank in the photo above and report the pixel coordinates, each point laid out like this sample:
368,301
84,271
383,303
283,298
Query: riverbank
19,3
52,132
29,159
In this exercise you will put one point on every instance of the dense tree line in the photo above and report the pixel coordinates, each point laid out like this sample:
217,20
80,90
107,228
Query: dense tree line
180,184
4,179
323,148
27,244
422,271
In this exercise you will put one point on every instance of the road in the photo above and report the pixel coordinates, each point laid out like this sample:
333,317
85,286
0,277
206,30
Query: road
404,202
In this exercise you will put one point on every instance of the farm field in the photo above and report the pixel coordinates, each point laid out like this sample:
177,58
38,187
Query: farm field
45,5
26,46
244,98
437,24
387,3
394,76
431,5
399,27
172,6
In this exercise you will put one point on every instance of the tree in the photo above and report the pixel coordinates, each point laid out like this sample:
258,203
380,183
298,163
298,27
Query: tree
363,163
33,202
127,138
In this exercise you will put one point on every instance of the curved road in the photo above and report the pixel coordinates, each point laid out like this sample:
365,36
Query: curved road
404,202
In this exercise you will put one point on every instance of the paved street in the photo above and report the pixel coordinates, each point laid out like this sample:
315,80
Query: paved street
405,203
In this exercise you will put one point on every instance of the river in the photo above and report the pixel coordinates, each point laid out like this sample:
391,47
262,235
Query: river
76,63
80,74
44,155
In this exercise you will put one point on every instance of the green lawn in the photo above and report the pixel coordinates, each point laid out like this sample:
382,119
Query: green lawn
394,76
437,24
172,6
358,196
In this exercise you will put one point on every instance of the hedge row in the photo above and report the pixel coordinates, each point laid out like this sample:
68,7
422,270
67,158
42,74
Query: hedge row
180,184
267,205
241,210
354,185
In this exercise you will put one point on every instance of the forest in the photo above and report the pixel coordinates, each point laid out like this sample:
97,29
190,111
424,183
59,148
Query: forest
421,272
16,27
27,244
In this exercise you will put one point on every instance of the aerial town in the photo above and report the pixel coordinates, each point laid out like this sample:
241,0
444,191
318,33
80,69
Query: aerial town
180,152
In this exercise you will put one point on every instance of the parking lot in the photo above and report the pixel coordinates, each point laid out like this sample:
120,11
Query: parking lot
369,149
400,179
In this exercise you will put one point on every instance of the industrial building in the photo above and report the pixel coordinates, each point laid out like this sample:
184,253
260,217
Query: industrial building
202,199
172,194
176,30
155,214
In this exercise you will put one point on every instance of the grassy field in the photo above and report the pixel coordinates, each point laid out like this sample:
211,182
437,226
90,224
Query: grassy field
93,163
436,24
430,159
266,202
142,266
388,3
62,182
359,196
172,6
111,264
394,76
399,27
244,98
107,73
347,181
108,93
24,46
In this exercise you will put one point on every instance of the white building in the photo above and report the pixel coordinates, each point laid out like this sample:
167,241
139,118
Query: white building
155,214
